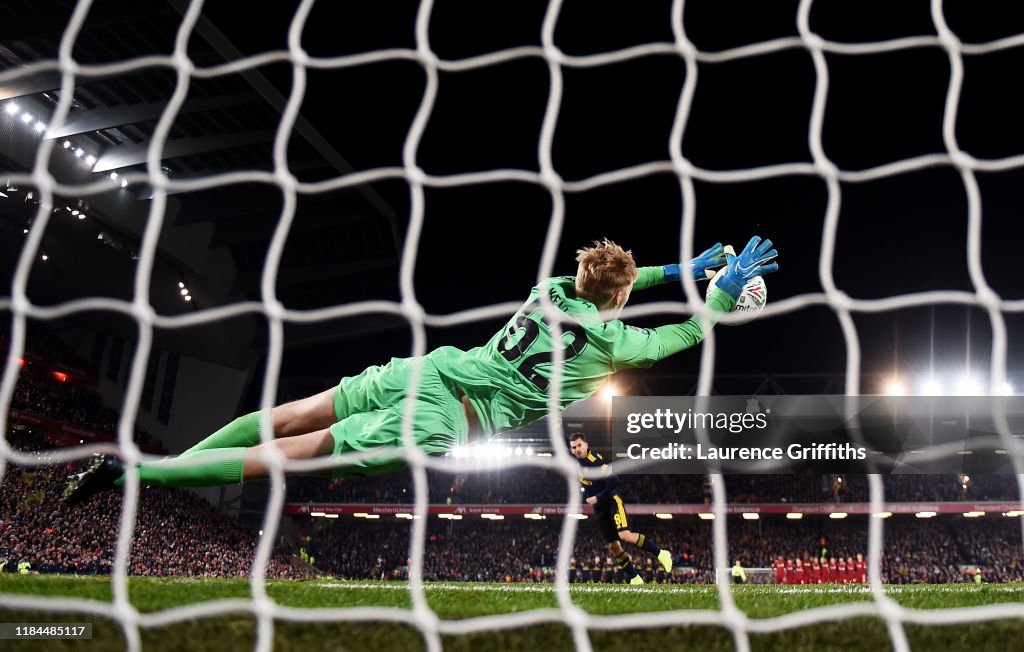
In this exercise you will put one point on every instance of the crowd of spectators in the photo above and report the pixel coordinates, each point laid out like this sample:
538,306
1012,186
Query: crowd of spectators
466,551
41,342
43,395
176,532
62,397
179,533
995,550
532,485
525,485
937,551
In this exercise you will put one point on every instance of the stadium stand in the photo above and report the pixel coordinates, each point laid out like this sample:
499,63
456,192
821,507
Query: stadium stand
177,532
937,550
530,485
55,394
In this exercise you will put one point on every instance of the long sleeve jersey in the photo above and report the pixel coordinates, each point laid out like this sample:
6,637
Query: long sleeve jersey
508,379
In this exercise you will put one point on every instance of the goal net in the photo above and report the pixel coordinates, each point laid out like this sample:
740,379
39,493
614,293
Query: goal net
685,65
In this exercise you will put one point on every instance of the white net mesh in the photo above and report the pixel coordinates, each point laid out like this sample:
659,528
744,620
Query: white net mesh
421,615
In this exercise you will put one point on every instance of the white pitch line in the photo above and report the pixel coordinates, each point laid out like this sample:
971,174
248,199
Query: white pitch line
516,588
660,588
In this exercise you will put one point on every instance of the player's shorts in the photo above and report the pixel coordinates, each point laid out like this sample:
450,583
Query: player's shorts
370,408
611,518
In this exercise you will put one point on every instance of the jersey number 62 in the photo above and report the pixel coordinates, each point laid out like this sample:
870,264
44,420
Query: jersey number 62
516,351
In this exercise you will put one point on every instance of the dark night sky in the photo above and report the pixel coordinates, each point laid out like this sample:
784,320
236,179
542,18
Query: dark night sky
481,244
904,233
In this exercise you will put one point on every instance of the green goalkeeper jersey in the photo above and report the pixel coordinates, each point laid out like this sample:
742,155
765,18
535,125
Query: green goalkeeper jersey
508,379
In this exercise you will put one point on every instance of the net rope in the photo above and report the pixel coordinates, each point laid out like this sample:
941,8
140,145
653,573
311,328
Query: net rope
421,615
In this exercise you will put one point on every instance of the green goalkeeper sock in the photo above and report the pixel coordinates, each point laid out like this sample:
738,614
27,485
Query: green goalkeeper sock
197,470
243,431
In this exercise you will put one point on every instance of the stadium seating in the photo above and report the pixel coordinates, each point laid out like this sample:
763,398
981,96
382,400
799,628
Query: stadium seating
532,485
177,532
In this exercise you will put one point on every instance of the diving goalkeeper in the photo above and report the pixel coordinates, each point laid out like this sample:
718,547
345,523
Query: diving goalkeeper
462,396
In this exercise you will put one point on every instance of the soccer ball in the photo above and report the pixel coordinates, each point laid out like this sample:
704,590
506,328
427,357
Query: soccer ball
751,301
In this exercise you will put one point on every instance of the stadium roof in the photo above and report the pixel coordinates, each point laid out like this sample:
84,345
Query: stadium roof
343,245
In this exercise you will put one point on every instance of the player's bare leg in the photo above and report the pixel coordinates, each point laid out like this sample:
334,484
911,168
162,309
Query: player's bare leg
304,416
293,447
296,418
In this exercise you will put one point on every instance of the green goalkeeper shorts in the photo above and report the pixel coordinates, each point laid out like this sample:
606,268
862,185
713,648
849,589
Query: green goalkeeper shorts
370,409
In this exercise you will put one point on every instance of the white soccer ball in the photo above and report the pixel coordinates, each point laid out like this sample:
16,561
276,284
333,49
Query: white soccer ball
751,301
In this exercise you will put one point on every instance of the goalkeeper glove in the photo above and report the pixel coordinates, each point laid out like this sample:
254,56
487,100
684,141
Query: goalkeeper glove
709,259
753,261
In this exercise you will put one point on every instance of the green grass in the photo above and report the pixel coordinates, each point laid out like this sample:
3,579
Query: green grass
235,631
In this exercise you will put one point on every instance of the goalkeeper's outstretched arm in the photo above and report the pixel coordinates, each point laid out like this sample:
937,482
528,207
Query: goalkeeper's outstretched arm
644,347
710,258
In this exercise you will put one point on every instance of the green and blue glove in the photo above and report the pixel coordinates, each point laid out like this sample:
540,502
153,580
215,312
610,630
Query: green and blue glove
709,259
754,260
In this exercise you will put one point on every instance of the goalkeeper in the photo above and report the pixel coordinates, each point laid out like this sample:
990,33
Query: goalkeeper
462,396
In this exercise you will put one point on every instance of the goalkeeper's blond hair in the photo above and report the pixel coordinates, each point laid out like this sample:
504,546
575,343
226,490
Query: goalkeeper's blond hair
605,269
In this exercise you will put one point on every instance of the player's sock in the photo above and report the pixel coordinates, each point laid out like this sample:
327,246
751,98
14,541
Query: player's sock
644,543
242,432
626,566
200,469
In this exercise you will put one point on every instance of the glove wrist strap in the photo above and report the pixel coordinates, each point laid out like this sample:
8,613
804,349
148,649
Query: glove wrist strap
732,284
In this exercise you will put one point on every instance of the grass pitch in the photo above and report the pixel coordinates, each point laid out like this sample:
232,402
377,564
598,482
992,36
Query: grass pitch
224,621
